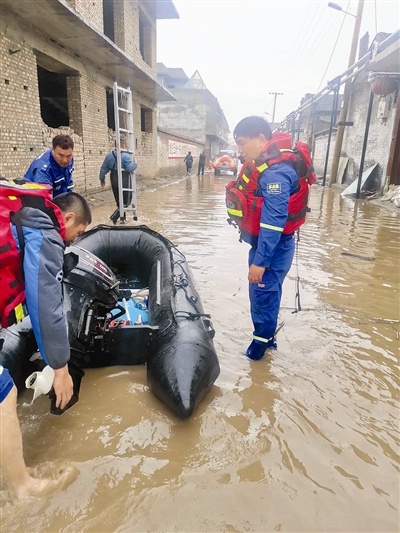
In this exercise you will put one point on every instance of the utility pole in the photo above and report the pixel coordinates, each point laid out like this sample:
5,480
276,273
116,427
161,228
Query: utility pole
346,96
273,112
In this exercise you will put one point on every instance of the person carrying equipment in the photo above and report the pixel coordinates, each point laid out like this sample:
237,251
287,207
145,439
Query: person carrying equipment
34,230
259,200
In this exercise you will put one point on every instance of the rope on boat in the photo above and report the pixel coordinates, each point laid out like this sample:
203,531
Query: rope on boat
190,316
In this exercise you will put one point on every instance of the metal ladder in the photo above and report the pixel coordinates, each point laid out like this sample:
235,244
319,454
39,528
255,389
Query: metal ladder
123,113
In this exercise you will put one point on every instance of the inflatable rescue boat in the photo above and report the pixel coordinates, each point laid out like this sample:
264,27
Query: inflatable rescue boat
130,299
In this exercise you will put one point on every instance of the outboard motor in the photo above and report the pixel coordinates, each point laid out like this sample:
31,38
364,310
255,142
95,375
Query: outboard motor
89,285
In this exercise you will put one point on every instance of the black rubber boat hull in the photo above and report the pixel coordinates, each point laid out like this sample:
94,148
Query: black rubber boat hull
181,360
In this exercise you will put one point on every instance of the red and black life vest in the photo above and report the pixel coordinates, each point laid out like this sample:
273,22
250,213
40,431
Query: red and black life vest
14,197
243,196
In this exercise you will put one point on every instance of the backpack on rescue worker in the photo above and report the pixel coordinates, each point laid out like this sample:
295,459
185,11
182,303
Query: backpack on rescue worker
14,195
243,196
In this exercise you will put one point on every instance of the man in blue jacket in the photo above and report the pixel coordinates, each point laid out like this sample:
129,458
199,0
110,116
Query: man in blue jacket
128,165
43,259
54,167
271,254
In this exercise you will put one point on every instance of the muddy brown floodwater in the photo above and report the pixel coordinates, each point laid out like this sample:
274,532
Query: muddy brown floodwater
304,440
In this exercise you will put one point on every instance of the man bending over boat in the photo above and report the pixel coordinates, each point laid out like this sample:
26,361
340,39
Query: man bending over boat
35,237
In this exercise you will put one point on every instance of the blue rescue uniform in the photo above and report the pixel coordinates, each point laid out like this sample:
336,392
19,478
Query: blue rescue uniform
42,265
128,166
272,250
44,169
6,383
43,271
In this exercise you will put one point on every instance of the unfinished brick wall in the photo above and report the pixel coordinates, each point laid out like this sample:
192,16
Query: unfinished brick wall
94,126
90,10
145,142
24,135
126,21
20,124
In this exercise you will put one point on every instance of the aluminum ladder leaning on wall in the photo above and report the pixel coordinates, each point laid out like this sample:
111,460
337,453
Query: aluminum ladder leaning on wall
123,114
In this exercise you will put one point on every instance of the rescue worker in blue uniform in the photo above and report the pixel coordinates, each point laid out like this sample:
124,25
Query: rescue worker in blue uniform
55,166
128,165
271,254
43,259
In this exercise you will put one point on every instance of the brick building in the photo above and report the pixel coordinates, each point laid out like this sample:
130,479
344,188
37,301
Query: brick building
59,59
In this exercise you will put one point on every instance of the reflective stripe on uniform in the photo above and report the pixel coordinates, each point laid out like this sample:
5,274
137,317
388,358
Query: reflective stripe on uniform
261,339
268,226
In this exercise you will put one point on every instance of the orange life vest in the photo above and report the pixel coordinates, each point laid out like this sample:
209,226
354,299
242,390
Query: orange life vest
243,196
14,197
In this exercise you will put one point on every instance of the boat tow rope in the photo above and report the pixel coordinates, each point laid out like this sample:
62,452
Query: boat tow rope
297,303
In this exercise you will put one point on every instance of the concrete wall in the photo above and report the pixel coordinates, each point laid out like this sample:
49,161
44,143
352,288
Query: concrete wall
188,115
319,156
379,136
170,162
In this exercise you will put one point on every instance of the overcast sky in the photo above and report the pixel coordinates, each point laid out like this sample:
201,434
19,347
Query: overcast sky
245,49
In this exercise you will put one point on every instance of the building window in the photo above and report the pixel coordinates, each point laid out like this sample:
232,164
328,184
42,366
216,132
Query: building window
110,109
145,38
108,19
53,97
146,120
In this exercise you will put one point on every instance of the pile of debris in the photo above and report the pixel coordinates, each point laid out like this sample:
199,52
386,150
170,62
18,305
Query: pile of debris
392,195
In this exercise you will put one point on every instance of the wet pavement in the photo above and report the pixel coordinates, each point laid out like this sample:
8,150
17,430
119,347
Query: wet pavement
305,440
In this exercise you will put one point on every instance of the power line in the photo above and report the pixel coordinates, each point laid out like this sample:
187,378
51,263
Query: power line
302,52
330,59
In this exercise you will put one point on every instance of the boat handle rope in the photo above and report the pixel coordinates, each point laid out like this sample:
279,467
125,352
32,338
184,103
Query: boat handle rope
189,315
181,282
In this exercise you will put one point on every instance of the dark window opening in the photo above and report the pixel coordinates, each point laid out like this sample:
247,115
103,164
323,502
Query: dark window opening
122,103
108,19
146,120
110,109
53,98
145,38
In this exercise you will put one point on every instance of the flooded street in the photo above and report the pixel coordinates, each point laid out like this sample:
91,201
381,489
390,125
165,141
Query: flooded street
306,440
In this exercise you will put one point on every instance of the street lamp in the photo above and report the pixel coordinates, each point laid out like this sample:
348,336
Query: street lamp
339,8
346,92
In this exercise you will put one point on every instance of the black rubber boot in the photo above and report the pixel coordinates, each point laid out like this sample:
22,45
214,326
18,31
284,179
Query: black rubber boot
115,216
